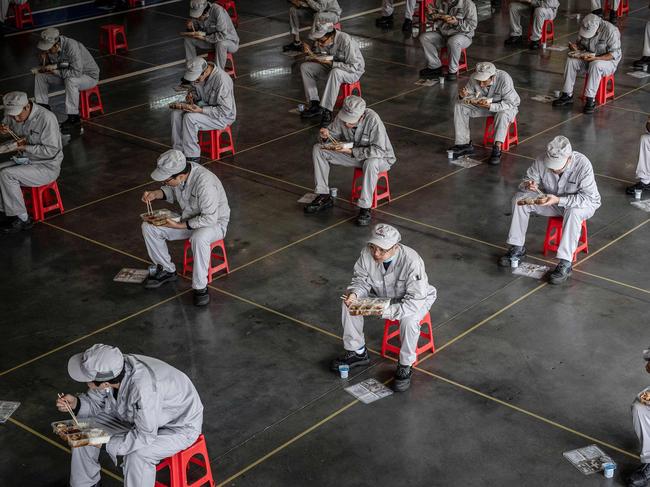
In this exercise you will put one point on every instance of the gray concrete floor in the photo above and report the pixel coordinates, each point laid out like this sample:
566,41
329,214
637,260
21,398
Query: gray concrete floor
523,371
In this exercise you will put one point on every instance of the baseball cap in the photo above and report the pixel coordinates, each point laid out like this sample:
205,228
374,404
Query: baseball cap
484,71
352,109
319,30
169,163
14,102
48,38
558,151
384,236
197,7
589,26
100,362
194,68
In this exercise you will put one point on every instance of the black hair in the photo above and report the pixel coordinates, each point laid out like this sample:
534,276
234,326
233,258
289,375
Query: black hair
116,380
186,170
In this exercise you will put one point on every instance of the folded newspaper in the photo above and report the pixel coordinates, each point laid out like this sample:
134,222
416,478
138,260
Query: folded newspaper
134,276
589,459
7,408
369,390
527,269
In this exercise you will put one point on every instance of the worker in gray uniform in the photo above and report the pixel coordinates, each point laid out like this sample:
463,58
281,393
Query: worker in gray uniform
209,105
597,9
489,92
151,410
40,153
387,9
65,63
371,150
541,9
602,43
641,424
643,165
566,177
453,28
318,11
645,56
204,220
347,66
220,34
387,269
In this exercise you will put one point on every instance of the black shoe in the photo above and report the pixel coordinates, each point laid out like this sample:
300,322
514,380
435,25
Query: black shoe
515,251
462,150
326,118
314,110
351,359
386,21
590,105
451,76
495,157
15,225
613,17
364,217
407,26
201,297
430,73
292,47
561,273
534,45
564,100
638,185
598,11
640,477
73,122
320,203
513,41
159,278
403,377
639,63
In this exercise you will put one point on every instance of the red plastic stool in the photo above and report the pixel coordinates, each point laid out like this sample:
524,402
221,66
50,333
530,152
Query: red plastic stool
230,69
86,107
623,8
108,38
23,15
346,90
210,142
41,200
179,463
554,235
512,136
221,258
604,92
229,6
462,63
548,30
422,12
389,335
382,191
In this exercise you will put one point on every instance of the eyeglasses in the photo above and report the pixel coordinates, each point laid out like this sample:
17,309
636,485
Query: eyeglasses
374,249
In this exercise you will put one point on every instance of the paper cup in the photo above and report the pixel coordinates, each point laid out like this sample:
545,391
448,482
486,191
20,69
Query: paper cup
514,263
608,470
450,154
557,93
344,370
334,192
637,194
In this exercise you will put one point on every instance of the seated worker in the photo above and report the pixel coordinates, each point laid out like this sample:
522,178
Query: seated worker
645,57
371,151
489,92
151,410
204,219
567,178
4,8
387,269
643,166
597,9
541,9
387,9
453,28
641,423
318,11
347,66
603,41
70,66
212,106
40,150
220,34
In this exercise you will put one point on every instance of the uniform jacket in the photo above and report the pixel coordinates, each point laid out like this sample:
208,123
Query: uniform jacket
606,40
77,56
502,91
465,13
347,55
325,6
369,137
218,95
218,26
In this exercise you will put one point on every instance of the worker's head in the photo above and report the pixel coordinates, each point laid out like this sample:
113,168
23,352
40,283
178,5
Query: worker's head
172,169
199,9
17,105
484,74
100,367
589,26
383,242
352,111
323,34
558,154
50,41
197,70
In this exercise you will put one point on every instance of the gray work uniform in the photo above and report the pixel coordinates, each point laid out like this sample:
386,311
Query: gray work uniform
372,151
45,152
81,74
504,107
4,7
542,10
646,40
205,208
406,283
348,67
455,37
156,414
319,11
217,100
387,8
220,36
606,40
641,423
643,166
579,200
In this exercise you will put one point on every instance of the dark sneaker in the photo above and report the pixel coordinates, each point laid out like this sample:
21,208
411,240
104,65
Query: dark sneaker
561,273
314,110
533,45
292,47
201,297
638,185
639,63
451,76
403,377
320,203
326,118
462,150
70,124
513,41
590,105
159,278
407,26
564,100
364,217
15,225
352,359
613,17
640,477
385,21
430,73
515,251
495,157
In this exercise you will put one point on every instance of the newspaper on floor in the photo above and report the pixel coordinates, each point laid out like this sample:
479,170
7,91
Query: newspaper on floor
557,48
7,408
466,162
307,198
589,459
369,390
641,205
543,98
638,74
133,276
527,269
427,82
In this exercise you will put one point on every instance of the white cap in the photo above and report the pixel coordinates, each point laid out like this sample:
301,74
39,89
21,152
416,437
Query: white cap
352,110
197,7
484,71
558,151
49,37
99,362
194,68
646,354
319,30
14,102
169,163
589,26
384,236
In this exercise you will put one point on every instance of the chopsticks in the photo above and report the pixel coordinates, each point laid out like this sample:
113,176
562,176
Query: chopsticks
12,133
149,208
67,406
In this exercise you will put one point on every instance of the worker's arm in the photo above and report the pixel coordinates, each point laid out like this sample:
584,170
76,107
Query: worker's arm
50,144
587,194
220,100
532,174
509,98
377,143
416,292
353,59
467,21
145,425
168,194
74,59
221,27
209,197
360,284
90,403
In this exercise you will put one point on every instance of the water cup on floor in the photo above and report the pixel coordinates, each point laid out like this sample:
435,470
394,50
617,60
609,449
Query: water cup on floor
344,370
152,269
450,155
637,194
557,93
334,192
301,108
608,470
514,262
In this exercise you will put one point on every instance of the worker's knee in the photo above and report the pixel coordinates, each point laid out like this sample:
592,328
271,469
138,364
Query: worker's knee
201,237
371,165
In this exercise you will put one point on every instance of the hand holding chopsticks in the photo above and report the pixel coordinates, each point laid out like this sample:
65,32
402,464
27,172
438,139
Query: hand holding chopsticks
63,401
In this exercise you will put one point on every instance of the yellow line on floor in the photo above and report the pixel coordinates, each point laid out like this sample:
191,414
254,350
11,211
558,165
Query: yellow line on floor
550,128
418,130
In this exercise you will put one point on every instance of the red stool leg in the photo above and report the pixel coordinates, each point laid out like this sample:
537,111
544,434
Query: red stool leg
187,259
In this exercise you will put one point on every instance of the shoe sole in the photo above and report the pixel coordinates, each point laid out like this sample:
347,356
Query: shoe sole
356,364
159,283
555,282
402,385
202,303
319,209
363,223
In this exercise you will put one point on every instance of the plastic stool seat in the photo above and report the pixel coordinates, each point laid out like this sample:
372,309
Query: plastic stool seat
346,90
605,89
86,106
41,200
220,258
462,63
548,30
512,136
108,38
23,15
386,346
210,142
382,191
554,235
179,463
